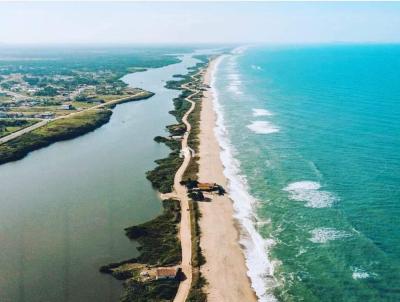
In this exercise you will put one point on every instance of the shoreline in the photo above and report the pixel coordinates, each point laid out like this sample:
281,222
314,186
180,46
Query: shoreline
167,178
224,284
18,145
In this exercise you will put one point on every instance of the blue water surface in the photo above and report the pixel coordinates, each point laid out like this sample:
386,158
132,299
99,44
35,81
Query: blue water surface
316,130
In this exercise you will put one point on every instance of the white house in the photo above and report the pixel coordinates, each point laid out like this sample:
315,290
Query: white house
67,107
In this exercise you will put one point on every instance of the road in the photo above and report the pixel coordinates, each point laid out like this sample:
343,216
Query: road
180,193
44,122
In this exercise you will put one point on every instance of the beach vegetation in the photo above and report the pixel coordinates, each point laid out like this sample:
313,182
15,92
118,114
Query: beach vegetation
192,170
158,238
159,246
162,176
151,291
196,293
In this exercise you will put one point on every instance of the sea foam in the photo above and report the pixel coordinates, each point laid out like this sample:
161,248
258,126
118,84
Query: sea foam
260,269
309,192
359,273
234,78
263,127
261,112
323,235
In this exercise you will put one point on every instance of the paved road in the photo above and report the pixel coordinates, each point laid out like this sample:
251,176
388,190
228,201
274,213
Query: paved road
23,131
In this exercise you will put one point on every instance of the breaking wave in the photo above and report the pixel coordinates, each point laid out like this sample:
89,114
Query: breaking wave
261,112
323,235
310,193
359,273
260,268
263,127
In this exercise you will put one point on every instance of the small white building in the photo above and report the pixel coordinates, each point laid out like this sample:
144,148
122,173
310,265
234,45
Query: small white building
177,137
67,107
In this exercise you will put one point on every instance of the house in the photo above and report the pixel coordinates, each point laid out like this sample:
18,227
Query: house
45,115
67,107
206,186
163,273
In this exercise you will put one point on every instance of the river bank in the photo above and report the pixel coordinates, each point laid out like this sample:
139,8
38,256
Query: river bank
225,267
167,177
69,127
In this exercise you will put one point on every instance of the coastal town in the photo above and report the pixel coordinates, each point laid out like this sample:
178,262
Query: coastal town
38,110
26,99
198,151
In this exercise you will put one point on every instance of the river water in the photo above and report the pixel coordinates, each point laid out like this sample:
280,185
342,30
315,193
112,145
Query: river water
63,208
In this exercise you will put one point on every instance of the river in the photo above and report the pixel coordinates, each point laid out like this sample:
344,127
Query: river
63,208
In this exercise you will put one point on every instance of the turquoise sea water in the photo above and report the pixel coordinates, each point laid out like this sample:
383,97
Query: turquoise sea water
312,133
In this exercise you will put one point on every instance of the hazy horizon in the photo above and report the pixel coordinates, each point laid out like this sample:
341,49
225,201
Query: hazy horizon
122,23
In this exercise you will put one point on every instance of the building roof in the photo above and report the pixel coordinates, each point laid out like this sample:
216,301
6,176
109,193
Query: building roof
203,185
166,272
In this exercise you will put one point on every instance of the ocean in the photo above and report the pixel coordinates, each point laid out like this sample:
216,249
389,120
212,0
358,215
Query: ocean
310,139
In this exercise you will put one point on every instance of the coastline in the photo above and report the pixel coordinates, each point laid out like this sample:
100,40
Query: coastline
225,269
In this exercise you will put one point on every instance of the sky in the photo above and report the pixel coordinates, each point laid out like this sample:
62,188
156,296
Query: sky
205,22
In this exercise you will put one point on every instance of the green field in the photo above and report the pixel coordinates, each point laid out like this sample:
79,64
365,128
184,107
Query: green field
8,126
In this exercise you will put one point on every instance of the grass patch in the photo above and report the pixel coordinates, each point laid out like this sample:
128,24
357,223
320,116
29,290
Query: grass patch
162,176
194,142
58,130
154,291
192,169
8,126
129,98
196,293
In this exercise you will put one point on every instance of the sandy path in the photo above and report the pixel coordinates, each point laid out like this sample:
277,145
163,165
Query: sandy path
225,268
181,194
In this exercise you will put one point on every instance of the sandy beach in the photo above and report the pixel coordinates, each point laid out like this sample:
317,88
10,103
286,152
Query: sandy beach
225,268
